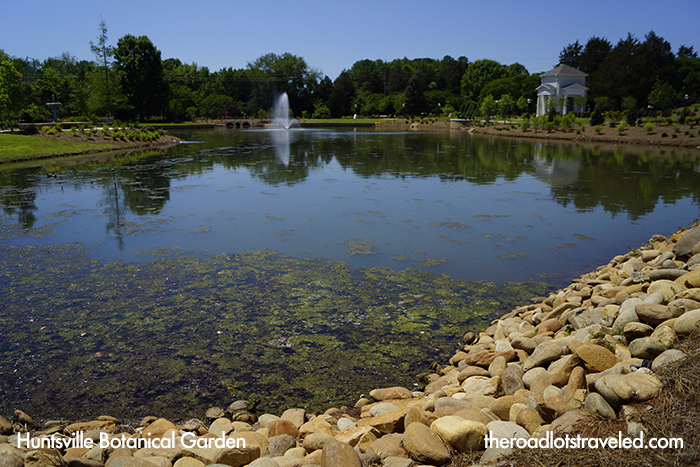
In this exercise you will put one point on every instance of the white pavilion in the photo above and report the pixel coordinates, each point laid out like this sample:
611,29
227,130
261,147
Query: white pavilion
563,83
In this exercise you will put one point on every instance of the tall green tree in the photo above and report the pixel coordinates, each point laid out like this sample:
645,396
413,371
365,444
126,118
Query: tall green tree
104,54
342,95
142,77
571,55
478,75
10,91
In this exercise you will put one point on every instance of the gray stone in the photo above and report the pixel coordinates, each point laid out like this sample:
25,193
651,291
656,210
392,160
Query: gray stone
481,385
261,462
657,298
530,376
280,444
583,317
10,460
544,353
512,379
604,387
646,348
345,423
685,245
670,274
316,441
524,343
668,357
500,429
626,314
653,314
381,409
687,323
595,403
636,330
636,387
393,461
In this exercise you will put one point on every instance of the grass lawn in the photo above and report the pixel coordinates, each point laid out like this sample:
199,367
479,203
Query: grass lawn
15,148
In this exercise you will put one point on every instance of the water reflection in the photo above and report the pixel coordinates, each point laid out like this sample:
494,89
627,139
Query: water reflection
314,192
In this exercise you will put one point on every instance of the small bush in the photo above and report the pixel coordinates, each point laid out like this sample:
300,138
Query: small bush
549,126
525,125
649,127
597,118
664,134
621,127
31,129
598,128
674,135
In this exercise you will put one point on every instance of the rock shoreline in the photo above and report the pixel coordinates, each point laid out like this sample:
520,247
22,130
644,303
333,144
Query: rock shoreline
588,351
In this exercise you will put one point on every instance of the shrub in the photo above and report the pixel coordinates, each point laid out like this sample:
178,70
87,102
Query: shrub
664,134
597,128
525,125
597,118
31,129
649,127
621,127
674,135
549,126
676,128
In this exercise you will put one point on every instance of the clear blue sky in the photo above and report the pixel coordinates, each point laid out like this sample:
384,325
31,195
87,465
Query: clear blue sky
331,35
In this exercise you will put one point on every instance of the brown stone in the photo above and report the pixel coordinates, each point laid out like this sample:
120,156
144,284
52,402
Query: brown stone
282,427
501,406
472,371
156,429
577,380
690,280
596,358
485,357
636,330
388,423
415,414
424,445
562,376
512,379
473,415
389,446
396,392
529,419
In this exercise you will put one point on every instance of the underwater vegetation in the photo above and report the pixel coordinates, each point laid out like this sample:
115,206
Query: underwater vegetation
184,331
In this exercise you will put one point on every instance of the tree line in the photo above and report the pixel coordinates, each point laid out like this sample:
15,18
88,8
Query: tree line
130,81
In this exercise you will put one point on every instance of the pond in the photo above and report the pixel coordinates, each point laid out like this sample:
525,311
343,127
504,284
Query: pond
301,267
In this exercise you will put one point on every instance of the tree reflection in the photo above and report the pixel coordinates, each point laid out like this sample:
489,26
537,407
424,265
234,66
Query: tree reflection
582,176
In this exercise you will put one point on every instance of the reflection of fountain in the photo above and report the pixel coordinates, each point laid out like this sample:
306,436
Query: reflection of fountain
280,113
281,142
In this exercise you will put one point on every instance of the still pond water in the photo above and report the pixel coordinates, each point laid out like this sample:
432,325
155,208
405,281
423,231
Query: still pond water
298,267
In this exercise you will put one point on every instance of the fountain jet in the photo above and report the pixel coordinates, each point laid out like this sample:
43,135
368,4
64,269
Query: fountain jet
280,113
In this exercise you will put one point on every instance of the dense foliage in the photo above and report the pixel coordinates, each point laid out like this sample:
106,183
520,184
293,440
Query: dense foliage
131,82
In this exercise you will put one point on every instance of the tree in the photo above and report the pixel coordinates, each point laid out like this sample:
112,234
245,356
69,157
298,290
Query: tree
478,74
342,95
505,106
488,107
10,90
142,78
687,52
629,105
663,96
571,55
104,54
413,97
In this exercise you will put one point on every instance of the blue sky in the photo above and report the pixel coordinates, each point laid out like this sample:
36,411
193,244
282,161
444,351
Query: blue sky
332,35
